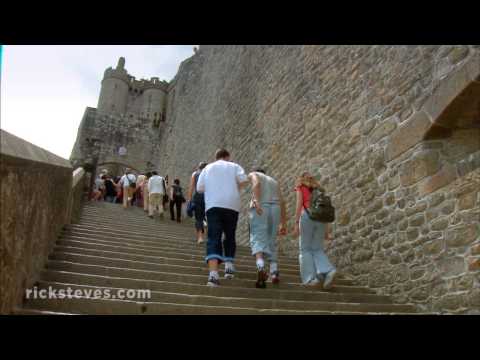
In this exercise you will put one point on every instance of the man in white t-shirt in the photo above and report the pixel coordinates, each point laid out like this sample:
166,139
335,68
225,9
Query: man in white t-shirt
128,184
156,190
221,181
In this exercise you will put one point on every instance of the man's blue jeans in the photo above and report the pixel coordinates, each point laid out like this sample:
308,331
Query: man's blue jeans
221,221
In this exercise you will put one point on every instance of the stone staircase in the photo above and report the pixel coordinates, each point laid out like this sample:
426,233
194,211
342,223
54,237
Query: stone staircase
112,248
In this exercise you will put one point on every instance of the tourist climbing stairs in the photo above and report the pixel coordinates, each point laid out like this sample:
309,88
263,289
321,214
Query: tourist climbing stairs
111,249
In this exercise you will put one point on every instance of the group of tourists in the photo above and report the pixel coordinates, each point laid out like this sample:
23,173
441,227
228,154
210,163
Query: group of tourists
150,191
213,199
220,184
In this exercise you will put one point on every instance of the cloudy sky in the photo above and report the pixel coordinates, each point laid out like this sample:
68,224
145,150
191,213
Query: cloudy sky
45,89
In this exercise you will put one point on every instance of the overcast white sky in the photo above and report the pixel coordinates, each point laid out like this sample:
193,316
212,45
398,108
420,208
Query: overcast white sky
45,89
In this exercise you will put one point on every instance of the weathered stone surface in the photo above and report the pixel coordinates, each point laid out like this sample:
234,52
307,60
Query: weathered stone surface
377,205
448,302
363,255
420,294
419,207
444,177
475,249
402,225
421,165
408,135
395,259
384,129
36,188
434,247
389,199
417,220
440,224
436,199
467,201
440,104
448,207
409,256
462,235
458,54
474,264
452,266
344,218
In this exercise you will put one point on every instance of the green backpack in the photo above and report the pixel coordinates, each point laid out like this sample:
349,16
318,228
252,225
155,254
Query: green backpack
321,208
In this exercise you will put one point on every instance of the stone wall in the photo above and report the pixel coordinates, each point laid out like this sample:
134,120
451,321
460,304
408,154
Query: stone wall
357,117
35,204
79,193
100,137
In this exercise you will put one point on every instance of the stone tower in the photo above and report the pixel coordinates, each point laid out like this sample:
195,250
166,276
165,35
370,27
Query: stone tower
124,129
114,92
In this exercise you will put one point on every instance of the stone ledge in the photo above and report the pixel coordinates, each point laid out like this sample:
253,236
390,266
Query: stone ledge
16,147
442,178
408,135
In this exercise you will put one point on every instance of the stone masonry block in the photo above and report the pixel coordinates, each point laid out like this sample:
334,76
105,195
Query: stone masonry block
408,135
420,166
463,235
474,264
475,249
384,129
442,178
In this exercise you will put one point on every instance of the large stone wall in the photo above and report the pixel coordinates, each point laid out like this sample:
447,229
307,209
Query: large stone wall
101,136
358,118
36,202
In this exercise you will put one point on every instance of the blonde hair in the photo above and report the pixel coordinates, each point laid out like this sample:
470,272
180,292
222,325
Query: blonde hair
309,182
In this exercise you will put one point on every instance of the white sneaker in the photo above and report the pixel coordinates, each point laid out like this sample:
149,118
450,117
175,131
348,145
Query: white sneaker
328,279
213,282
229,273
229,270
313,282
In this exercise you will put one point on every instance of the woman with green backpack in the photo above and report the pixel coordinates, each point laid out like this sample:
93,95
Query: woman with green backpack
314,264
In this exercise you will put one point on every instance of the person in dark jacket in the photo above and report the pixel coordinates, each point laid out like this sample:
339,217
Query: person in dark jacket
110,192
176,200
198,201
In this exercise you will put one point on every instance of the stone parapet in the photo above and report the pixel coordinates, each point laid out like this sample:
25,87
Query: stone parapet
35,201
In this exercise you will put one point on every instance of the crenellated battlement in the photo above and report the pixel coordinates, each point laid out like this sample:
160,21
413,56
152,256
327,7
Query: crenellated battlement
134,85
144,84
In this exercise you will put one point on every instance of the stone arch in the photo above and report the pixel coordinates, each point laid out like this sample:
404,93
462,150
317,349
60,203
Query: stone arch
442,139
455,103
118,164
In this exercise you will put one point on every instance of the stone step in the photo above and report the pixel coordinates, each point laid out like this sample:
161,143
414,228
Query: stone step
145,240
93,245
271,292
25,311
162,260
178,277
236,302
157,235
193,248
88,306
177,269
144,230
137,217
199,254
